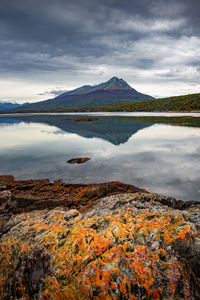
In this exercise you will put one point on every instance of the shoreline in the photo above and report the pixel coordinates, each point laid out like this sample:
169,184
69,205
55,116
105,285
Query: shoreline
17,196
90,112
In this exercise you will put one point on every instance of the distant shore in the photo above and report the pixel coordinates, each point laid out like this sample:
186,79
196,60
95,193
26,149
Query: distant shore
96,111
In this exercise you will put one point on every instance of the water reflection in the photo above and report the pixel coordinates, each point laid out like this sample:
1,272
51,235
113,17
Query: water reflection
116,130
146,152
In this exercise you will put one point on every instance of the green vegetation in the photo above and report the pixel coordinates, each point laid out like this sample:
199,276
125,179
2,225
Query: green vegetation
185,103
177,104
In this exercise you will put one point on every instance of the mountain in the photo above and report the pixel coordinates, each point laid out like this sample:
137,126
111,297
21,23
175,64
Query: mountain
8,106
113,91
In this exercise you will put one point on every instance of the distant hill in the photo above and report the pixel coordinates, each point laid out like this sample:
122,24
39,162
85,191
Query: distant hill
113,91
4,106
177,104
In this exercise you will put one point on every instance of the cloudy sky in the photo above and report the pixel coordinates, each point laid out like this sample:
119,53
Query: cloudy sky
50,46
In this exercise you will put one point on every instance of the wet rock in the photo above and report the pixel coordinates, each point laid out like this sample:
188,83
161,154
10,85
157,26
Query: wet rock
80,160
6,178
30,195
177,204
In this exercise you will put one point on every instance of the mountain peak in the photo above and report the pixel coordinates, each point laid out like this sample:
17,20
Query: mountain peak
114,79
111,84
116,83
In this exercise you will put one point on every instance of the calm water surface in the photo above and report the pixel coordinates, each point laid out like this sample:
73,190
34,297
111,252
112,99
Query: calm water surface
160,154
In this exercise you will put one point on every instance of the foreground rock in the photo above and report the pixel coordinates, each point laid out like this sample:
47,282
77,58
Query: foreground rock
6,178
28,195
124,246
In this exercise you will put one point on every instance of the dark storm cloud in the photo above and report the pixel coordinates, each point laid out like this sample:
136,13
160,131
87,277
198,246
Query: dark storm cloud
98,37
82,28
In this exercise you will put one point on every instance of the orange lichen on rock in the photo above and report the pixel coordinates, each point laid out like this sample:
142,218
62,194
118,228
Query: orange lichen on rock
124,247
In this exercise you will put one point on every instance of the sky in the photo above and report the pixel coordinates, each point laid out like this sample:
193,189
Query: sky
51,46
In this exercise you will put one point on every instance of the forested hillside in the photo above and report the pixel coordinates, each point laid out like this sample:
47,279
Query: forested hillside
179,103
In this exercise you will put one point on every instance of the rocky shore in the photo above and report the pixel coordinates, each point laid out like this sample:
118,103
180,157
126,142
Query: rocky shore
96,241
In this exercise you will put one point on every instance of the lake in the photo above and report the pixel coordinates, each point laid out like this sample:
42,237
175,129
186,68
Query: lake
155,151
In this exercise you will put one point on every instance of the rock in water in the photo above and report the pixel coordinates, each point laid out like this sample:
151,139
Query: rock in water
125,246
80,160
84,119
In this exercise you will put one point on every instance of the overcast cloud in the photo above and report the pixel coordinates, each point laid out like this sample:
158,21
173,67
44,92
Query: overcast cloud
49,46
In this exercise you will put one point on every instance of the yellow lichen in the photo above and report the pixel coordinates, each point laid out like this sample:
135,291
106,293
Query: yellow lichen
104,257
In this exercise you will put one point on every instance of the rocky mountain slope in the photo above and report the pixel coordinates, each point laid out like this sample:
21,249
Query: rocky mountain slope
113,91
129,244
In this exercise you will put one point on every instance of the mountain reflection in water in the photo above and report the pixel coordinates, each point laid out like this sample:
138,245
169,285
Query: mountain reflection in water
116,130
157,153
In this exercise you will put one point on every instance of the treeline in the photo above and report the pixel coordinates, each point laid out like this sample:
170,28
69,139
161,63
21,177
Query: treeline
179,103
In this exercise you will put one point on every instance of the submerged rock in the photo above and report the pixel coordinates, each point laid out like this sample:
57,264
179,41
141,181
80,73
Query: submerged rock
80,160
124,246
84,119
